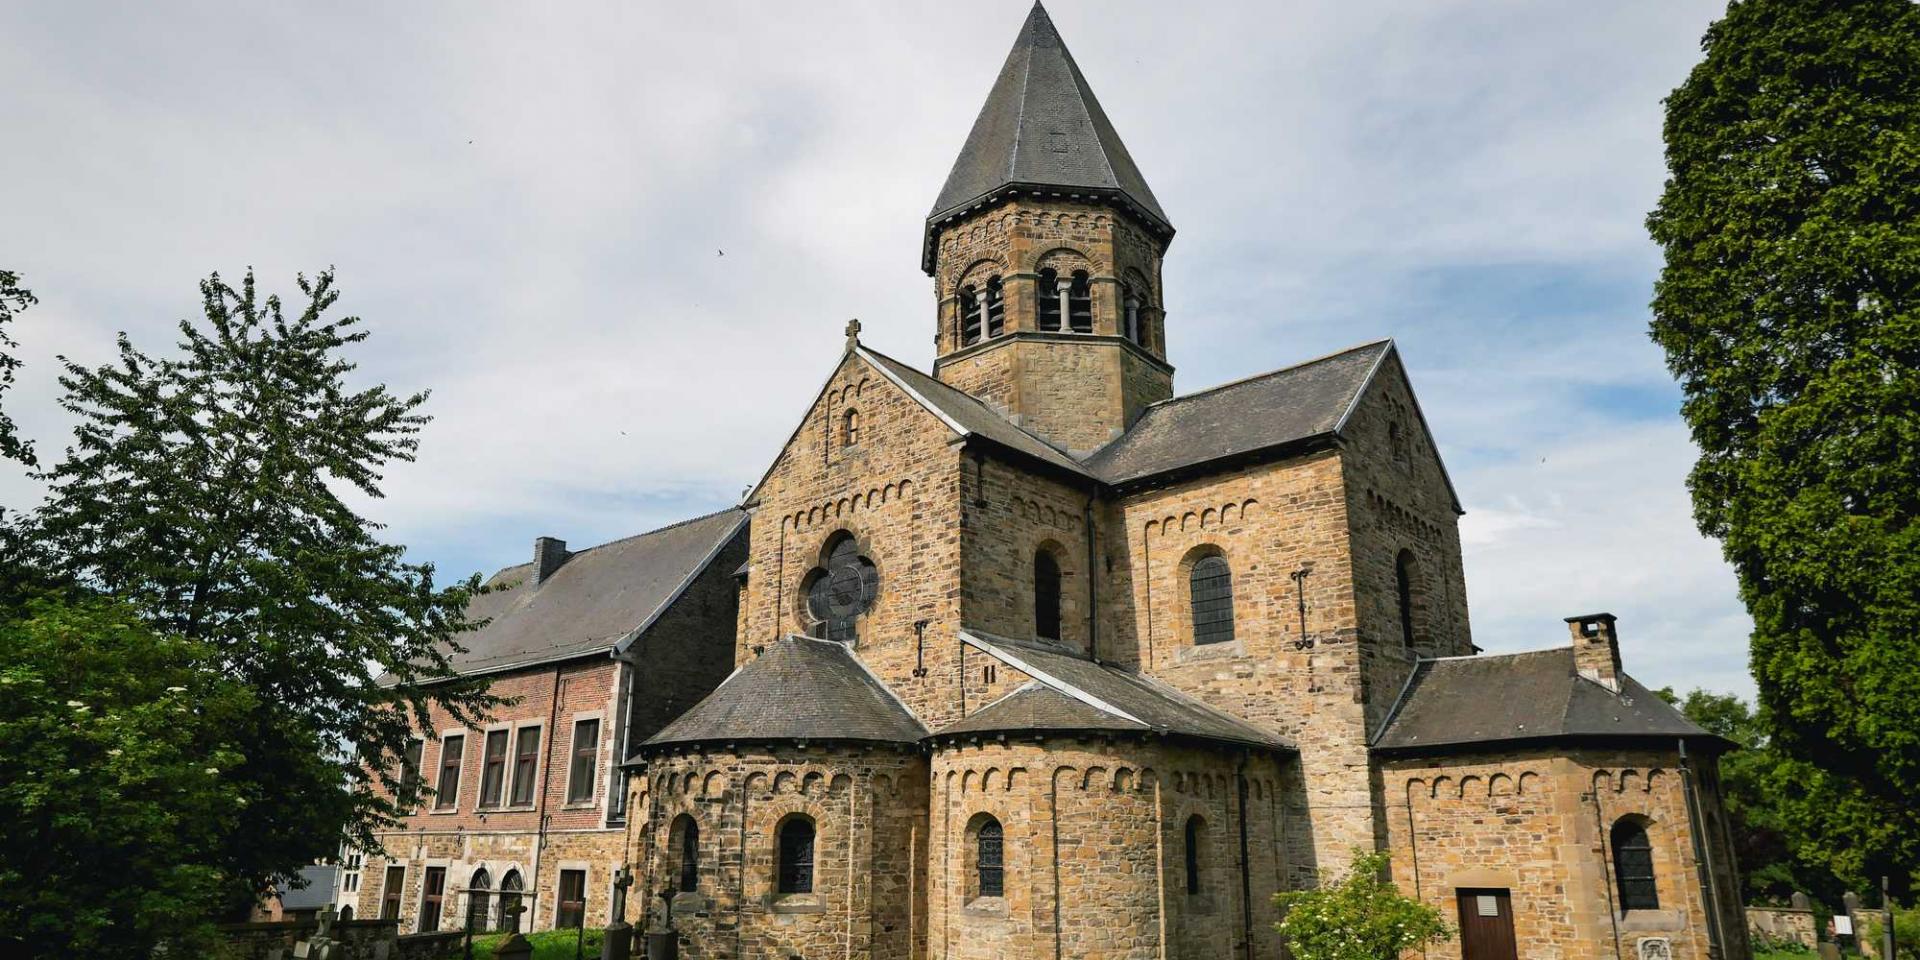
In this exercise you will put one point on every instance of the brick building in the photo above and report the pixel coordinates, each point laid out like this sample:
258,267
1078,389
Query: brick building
1032,657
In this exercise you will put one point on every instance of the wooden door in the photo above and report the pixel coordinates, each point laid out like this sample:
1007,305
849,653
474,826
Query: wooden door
1486,925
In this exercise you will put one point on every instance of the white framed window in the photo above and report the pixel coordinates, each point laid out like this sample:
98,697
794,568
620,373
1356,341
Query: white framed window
583,758
527,739
446,787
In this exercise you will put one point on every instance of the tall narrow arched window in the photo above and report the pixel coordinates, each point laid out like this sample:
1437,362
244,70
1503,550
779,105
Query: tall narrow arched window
1405,574
996,308
1046,596
479,899
1046,297
990,858
510,887
1130,315
1210,585
969,317
1080,303
850,428
795,868
688,833
1196,832
1633,865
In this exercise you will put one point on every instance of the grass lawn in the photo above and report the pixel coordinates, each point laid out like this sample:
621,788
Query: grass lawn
1782,955
547,945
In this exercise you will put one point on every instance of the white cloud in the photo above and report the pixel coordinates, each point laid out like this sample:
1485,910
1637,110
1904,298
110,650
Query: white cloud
619,241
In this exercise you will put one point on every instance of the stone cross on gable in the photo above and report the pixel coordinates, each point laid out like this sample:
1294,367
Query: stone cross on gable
853,333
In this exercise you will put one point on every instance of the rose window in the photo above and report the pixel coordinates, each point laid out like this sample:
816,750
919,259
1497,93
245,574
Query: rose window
840,590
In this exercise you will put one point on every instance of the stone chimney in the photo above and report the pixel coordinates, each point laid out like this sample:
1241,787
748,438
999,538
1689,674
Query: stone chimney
548,554
1596,649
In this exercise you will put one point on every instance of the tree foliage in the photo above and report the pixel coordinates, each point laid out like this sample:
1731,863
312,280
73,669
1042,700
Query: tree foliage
207,490
1765,802
115,797
1360,915
1788,311
13,299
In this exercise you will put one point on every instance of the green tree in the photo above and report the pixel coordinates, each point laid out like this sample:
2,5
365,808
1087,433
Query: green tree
114,793
1761,788
207,491
1787,309
1360,915
13,299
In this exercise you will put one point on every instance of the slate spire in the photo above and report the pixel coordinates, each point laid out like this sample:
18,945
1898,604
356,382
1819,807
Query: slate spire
1041,127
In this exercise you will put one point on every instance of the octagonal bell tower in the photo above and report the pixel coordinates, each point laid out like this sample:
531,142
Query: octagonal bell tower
1045,249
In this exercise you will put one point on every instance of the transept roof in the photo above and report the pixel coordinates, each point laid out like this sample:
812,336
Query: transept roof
1460,702
1070,692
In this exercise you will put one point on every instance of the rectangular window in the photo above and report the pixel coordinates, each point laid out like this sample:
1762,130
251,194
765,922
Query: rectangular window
447,794
410,773
493,769
433,895
526,765
390,894
572,913
586,761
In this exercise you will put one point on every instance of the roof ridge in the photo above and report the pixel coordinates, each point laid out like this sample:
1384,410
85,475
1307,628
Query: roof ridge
1057,684
1495,656
1356,348
982,404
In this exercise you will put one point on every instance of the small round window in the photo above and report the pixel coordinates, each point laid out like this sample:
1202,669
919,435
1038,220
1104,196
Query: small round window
841,589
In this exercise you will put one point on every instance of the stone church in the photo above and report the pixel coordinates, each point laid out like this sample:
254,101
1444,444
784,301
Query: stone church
1031,656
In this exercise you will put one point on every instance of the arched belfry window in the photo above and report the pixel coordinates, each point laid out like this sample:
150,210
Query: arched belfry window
850,428
990,872
1196,833
1211,588
996,308
1130,315
841,589
969,317
688,833
795,867
1080,303
1046,595
1633,865
1046,306
1405,582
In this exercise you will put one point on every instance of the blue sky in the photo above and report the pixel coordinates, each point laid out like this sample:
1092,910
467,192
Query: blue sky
619,241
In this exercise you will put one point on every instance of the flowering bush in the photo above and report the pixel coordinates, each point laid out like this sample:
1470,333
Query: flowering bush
1359,916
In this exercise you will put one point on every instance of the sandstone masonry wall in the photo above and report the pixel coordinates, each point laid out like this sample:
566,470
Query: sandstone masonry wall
869,810
1095,856
1537,823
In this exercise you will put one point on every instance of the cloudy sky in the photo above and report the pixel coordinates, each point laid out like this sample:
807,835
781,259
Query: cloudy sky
619,242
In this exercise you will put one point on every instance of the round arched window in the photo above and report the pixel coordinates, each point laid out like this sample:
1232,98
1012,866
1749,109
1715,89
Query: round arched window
841,589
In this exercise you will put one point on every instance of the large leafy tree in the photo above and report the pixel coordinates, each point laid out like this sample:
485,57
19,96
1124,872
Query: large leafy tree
114,793
207,490
1788,310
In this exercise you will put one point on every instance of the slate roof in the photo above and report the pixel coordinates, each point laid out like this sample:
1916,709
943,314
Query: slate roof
1071,692
1458,703
1286,406
799,688
316,895
968,416
600,597
1041,126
